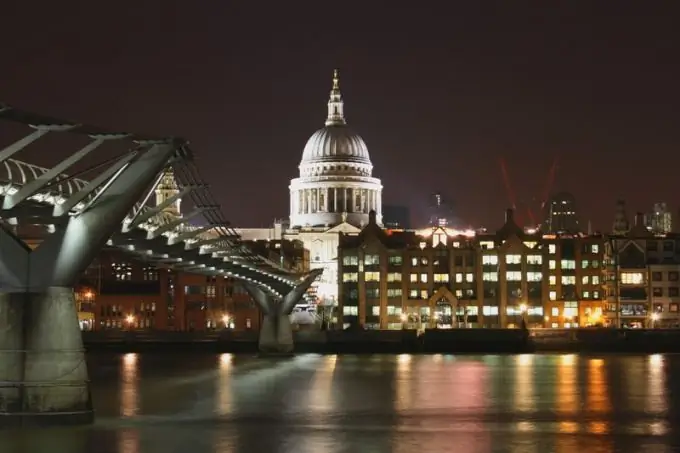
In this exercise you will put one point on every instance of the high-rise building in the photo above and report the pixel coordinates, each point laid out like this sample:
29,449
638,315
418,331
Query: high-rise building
659,220
621,224
440,212
560,214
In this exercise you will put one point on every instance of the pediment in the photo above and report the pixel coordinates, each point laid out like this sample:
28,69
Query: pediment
444,293
344,228
632,256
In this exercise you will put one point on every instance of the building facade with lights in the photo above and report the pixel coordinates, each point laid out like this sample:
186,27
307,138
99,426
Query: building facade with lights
446,278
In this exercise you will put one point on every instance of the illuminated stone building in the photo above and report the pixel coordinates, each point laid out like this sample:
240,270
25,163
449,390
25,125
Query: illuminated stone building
643,278
445,278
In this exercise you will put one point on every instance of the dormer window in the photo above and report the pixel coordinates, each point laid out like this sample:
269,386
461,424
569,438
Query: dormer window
438,238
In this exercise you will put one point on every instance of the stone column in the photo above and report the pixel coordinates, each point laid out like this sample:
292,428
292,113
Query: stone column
335,200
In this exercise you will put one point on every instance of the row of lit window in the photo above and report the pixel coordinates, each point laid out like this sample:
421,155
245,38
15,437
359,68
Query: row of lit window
510,276
592,248
569,310
552,295
571,280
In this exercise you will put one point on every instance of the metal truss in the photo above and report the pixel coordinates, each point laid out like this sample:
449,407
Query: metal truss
99,197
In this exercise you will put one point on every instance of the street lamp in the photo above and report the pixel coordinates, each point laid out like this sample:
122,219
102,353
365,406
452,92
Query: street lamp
225,320
655,318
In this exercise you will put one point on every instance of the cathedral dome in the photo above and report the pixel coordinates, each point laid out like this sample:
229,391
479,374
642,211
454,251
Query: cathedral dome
336,143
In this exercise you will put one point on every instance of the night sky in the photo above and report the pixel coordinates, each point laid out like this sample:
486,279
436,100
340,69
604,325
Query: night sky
438,94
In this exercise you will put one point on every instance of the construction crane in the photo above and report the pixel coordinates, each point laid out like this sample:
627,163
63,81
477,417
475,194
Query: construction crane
511,193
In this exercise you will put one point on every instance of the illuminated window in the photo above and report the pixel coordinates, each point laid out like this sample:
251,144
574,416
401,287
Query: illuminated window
552,264
393,310
586,294
552,295
350,260
585,279
371,276
459,278
350,310
486,245
423,261
513,259
570,309
596,295
536,311
423,294
490,276
371,260
490,310
552,280
350,277
438,238
552,249
469,277
534,259
595,280
395,260
595,248
393,292
441,278
423,278
414,261
568,280
375,311
513,276
632,278
534,276
490,260
413,294
585,264
568,264
555,311
394,277
530,244
414,278
459,293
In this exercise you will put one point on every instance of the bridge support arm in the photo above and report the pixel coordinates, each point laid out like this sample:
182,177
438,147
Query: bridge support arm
276,333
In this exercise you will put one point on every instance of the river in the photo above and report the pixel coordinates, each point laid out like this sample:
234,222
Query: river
165,403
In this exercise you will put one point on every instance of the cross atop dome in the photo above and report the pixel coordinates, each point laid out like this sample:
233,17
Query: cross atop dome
336,115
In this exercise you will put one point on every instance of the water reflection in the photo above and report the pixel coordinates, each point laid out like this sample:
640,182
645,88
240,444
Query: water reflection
656,397
320,392
524,383
597,390
129,397
567,387
223,396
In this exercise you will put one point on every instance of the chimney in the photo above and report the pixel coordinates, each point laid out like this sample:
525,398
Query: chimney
372,218
509,216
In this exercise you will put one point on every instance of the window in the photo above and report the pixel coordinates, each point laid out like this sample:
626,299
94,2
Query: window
673,276
596,295
585,264
673,308
489,260
489,310
394,292
413,294
350,260
372,276
555,311
552,264
350,277
552,249
395,260
568,264
413,278
423,294
469,277
441,278
375,310
372,293
552,295
414,261
552,280
586,294
490,276
371,260
393,310
513,259
595,248
595,279
595,264
394,277
486,245
568,280
423,278
570,309
657,277
423,260
536,311
350,310
673,291
534,259
534,276
513,276
459,293
585,279
631,278
657,291
459,278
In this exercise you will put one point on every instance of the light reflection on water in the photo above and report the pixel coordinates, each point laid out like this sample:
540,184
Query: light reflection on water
310,403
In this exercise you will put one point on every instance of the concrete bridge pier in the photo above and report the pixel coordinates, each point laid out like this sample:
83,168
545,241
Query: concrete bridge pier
43,373
276,332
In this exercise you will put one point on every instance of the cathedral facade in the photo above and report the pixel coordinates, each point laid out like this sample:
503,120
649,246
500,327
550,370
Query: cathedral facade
334,193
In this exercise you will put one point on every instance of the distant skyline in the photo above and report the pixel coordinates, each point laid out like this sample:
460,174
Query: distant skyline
438,94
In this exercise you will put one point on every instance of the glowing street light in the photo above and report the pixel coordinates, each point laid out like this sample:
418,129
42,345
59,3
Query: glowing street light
130,319
225,320
523,308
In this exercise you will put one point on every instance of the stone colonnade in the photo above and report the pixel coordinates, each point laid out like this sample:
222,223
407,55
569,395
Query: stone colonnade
338,199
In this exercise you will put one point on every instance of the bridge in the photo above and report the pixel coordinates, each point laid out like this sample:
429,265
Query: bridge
101,195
